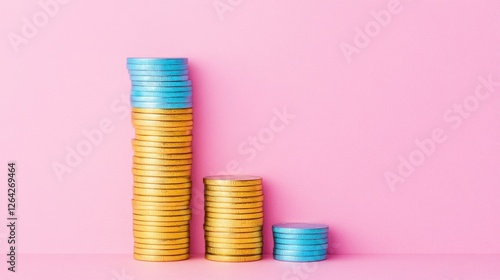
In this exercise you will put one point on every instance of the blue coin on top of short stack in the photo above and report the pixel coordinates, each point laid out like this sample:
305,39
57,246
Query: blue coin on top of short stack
160,83
300,242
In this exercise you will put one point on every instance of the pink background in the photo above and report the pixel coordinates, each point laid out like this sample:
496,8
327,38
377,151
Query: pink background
352,120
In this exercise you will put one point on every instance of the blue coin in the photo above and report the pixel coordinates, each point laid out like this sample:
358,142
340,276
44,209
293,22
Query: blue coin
301,236
301,247
300,228
161,105
159,78
299,259
165,67
179,99
161,94
299,253
161,89
158,72
162,84
300,241
156,60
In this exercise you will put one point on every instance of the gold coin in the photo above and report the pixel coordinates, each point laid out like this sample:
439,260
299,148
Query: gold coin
231,229
164,156
162,207
164,242
234,223
232,180
161,247
233,194
160,144
163,111
162,117
153,138
234,216
233,211
159,128
162,192
233,252
161,218
161,258
226,199
161,229
233,240
222,258
156,123
159,208
161,235
155,173
181,198
233,205
163,133
137,204
164,204
234,234
151,167
160,223
161,252
180,150
253,188
162,186
161,180
234,245
161,213
155,252
156,161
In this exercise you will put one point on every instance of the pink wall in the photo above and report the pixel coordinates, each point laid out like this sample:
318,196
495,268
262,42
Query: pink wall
359,101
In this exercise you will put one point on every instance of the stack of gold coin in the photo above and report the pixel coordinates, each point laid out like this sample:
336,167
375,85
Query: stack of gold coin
233,218
162,116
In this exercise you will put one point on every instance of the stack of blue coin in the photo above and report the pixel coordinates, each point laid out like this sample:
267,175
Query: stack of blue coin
300,242
160,83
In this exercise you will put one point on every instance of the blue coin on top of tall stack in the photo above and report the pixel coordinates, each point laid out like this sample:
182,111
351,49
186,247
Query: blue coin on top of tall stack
162,115
300,242
160,83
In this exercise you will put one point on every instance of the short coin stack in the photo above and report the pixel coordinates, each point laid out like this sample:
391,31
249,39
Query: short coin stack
300,242
163,119
233,218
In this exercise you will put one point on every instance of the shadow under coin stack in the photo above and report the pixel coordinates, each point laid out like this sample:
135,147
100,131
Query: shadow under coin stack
300,242
163,120
233,218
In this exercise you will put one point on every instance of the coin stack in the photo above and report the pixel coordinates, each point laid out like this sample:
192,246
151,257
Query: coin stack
233,218
163,120
300,242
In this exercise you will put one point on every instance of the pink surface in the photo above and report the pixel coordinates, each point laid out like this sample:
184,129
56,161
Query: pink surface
388,267
354,115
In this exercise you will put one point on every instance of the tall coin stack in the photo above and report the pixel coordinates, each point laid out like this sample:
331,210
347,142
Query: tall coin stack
162,116
233,218
300,242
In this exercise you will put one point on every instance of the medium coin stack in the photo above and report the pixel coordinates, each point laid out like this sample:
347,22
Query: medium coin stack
300,242
162,116
233,218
